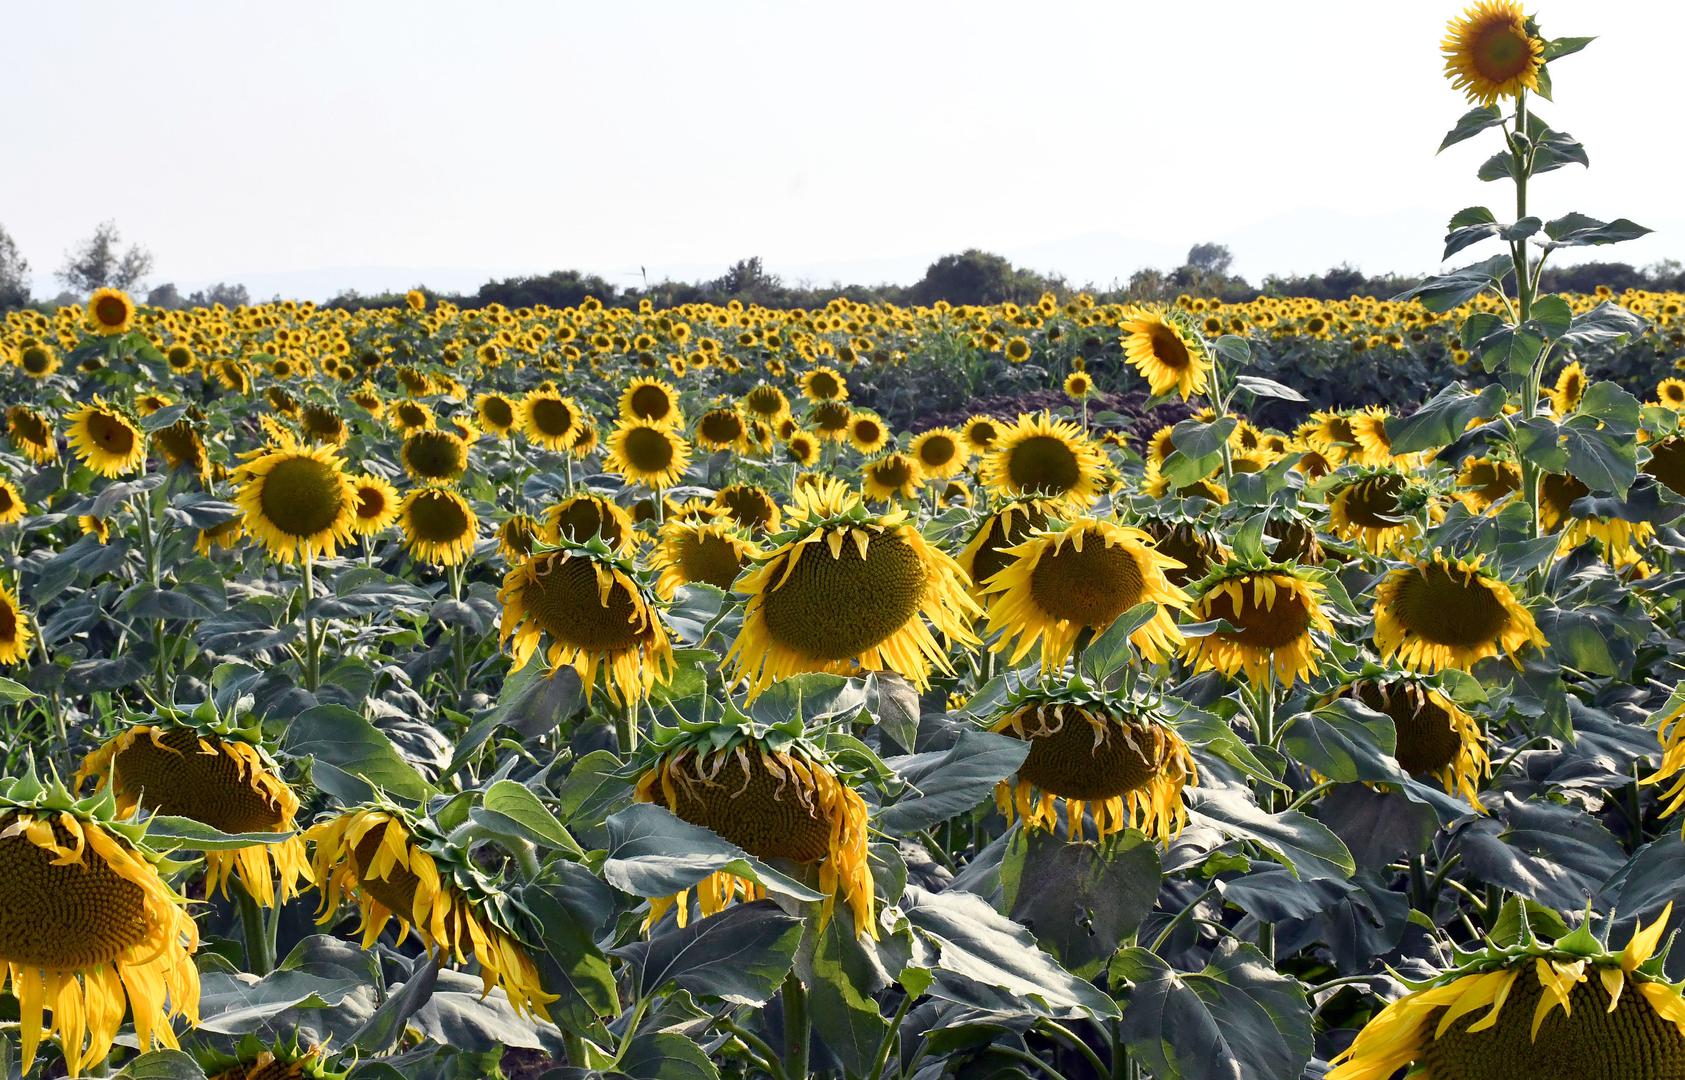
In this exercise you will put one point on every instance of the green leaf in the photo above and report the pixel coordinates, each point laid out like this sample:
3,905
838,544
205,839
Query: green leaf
1603,458
1297,841
987,961
162,1065
169,833
1565,46
652,853
1079,899
1234,351
1196,440
1112,650
568,904
13,692
1607,323
517,803
1552,315
1269,388
949,782
1472,123
1236,1019
348,741
894,703
740,955
1512,349
1555,854
1581,230
843,973
1444,417
1345,742
666,1055
1469,227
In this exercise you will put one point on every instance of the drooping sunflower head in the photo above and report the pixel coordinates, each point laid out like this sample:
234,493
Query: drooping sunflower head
1570,387
1484,481
439,525
1117,758
297,500
1296,539
278,1060
1620,539
107,441
31,433
1437,738
751,507
1378,509
1167,352
711,552
771,792
1667,463
1492,52
1186,542
985,554
183,447
1441,612
580,517
323,424
520,535
648,454
1530,1008
595,614
395,864
1062,582
110,311
1276,611
1041,456
88,927
891,477
824,384
199,767
941,452
651,400
550,420
846,590
224,534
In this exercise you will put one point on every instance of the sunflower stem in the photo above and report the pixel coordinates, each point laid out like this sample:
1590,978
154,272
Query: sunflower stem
312,647
260,950
626,729
798,1026
757,1046
881,1058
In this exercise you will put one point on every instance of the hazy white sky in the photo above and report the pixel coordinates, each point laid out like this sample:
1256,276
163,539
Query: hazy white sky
306,146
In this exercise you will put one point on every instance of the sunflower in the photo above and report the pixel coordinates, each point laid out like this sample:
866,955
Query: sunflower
434,456
219,778
1670,393
31,433
38,361
645,453
323,424
985,554
1491,53
711,552
12,507
183,448
224,534
1276,611
106,440
891,477
407,416
496,412
1116,758
376,504
520,535
1079,386
1484,481
580,517
824,384
97,527
803,449
1570,387
1196,549
829,419
549,420
766,404
586,442
297,501
1041,456
867,433
395,866
776,796
1440,613
1620,539
980,433
15,631
1436,738
1295,539
1373,510
439,526
595,614
110,311
749,506
651,400
87,927
1569,1009
723,429
1060,583
941,453
845,591
1168,355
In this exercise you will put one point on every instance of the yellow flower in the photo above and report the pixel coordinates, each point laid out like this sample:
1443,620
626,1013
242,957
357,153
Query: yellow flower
1368,509
31,432
110,311
941,453
749,506
1441,613
1435,737
1079,386
583,516
15,632
439,526
224,534
106,440
722,429
867,433
12,507
434,456
891,477
1490,52
496,412
550,420
648,454
297,501
824,384
711,552
376,504
1276,613
1169,356
652,401
1041,456
38,361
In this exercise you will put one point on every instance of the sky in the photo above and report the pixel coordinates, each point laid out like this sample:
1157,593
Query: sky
313,146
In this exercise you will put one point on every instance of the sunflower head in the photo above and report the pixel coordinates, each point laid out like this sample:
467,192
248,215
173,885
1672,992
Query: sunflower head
439,525
110,311
410,415
941,452
1051,458
651,400
824,384
1484,481
766,403
550,420
1378,509
891,477
297,500
751,507
1437,738
1116,757
980,433
434,456
31,433
985,554
496,413
867,433
711,552
1670,393
847,590
1441,612
586,515
1276,613
1160,344
282,1059
1522,1007
38,360
773,792
1187,542
106,439
1493,51
648,454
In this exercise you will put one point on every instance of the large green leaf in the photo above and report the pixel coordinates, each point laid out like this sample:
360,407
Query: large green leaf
517,803
1080,899
740,955
1299,842
348,741
943,784
652,853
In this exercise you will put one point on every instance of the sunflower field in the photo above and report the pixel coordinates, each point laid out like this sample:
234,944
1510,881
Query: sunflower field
674,694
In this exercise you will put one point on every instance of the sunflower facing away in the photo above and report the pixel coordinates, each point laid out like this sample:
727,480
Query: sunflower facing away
1490,53
710,552
377,504
1371,510
439,526
106,440
220,778
595,614
31,432
1062,582
847,590
1166,353
1568,1010
1114,758
1440,613
297,501
647,454
1276,611
392,866
1436,737
1041,456
1195,547
776,796
87,924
